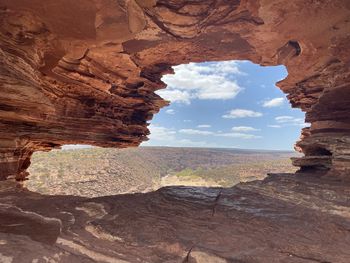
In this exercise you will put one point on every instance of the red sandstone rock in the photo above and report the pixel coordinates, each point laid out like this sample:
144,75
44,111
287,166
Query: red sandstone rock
284,218
85,71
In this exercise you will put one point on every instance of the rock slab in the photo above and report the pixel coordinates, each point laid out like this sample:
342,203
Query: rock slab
284,218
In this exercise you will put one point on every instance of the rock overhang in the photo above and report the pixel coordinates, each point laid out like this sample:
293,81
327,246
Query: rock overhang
87,71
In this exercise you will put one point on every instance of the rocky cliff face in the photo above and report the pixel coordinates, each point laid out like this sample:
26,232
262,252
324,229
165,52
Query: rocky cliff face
85,71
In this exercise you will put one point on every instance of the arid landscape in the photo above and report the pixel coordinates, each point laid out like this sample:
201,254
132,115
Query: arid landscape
97,171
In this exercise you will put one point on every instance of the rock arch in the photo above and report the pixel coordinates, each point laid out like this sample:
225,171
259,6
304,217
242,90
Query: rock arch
85,71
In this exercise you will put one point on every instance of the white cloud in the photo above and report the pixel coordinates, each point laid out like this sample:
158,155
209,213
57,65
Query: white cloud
187,121
274,126
159,133
244,129
167,137
195,132
284,119
190,143
170,111
221,68
208,81
276,102
218,134
175,138
239,135
290,121
203,126
241,113
175,95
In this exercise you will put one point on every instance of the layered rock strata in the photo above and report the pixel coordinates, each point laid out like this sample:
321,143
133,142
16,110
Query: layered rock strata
85,71
284,218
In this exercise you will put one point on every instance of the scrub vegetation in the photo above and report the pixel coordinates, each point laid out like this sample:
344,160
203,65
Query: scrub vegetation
99,172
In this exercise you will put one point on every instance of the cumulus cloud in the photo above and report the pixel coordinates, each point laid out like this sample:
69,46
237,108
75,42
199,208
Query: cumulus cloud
203,126
170,111
284,119
195,132
244,129
167,137
159,133
175,95
241,113
239,135
276,102
208,81
289,121
219,68
191,143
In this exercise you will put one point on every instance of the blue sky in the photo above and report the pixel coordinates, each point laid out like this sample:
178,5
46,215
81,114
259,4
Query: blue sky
232,104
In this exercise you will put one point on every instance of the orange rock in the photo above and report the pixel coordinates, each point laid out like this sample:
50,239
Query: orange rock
85,71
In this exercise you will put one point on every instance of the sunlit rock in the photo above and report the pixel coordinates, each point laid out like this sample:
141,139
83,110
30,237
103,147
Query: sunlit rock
86,71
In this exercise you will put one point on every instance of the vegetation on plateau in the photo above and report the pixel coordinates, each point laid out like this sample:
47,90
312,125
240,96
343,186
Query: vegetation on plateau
98,171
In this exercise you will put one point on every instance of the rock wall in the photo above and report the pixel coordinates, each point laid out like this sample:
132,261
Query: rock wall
85,71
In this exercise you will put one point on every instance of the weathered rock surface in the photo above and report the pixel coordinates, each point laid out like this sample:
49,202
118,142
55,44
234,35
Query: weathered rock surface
85,71
284,218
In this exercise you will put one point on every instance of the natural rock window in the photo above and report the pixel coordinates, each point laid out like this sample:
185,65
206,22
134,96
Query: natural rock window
94,83
217,109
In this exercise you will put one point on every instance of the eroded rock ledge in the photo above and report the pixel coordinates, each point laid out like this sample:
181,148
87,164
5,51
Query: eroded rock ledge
284,218
85,71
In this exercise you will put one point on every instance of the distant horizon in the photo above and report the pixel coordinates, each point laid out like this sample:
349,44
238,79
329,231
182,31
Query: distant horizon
82,146
221,148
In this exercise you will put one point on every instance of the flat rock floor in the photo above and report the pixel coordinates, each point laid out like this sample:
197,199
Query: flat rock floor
284,218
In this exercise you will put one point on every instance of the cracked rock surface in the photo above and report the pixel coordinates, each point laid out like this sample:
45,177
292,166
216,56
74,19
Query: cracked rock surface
284,218
85,71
